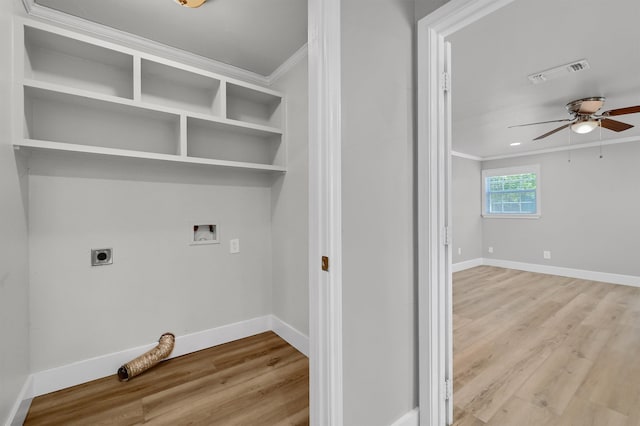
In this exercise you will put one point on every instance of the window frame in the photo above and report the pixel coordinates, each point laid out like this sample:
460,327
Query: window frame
506,171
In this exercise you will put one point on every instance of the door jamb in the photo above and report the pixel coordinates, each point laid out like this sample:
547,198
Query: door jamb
325,220
434,157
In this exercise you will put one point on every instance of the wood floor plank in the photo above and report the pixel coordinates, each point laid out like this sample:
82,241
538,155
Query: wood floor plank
463,418
547,350
519,412
584,413
257,380
486,393
555,383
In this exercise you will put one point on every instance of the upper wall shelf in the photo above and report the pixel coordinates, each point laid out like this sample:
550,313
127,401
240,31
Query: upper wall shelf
82,94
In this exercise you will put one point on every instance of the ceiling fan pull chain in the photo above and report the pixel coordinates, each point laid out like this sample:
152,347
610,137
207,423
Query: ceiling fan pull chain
569,150
600,125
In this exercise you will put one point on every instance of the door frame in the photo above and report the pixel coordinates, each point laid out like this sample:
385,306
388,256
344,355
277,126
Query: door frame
325,210
435,332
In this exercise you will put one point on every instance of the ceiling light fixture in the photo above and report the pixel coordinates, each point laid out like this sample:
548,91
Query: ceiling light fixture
515,144
190,3
584,125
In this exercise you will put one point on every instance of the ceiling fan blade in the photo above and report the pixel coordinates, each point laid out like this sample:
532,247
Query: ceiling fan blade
622,111
540,122
552,132
616,126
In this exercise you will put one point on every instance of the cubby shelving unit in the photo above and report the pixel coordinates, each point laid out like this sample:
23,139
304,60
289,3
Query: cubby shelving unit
76,93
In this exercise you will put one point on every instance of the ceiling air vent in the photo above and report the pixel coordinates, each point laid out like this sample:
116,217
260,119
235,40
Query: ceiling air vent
557,72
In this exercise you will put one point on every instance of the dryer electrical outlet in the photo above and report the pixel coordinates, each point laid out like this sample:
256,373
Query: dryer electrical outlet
100,257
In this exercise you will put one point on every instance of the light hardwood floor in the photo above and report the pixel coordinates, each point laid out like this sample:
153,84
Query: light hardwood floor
541,350
260,380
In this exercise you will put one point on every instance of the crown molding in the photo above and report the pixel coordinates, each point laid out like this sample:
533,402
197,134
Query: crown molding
567,148
287,65
467,156
34,10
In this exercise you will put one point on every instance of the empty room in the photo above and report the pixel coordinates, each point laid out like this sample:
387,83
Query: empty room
545,149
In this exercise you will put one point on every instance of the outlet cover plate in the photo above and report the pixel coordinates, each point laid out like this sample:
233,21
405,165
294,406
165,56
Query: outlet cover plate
100,257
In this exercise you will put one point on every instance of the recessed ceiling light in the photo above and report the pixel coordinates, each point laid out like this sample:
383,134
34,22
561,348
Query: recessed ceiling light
515,144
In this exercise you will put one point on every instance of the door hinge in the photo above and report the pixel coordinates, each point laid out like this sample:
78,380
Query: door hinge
448,391
446,81
446,238
325,263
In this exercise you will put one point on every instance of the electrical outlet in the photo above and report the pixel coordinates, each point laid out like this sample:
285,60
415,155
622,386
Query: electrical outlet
459,250
234,246
546,254
101,257
490,249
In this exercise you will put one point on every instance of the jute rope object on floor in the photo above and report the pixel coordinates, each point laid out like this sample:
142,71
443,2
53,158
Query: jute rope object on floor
148,359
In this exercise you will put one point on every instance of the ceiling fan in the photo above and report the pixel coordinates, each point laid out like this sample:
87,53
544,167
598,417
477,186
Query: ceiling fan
584,118
190,3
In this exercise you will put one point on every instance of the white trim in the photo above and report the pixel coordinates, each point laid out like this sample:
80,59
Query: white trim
573,147
94,368
511,216
583,274
431,203
325,209
141,43
292,336
467,264
409,419
434,198
467,156
20,408
507,171
287,65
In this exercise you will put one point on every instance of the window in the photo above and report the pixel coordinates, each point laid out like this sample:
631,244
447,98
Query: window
511,192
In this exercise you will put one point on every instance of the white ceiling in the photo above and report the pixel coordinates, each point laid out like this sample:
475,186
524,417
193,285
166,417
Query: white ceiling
255,35
492,58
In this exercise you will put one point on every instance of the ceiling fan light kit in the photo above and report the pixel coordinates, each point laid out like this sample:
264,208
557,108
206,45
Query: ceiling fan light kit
584,118
190,3
584,125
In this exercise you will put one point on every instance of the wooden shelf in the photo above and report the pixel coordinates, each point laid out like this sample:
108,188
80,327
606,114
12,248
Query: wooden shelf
54,58
165,85
32,144
81,94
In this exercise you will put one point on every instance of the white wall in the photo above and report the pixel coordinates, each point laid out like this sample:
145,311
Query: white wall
589,212
157,283
466,199
425,7
14,349
379,303
290,210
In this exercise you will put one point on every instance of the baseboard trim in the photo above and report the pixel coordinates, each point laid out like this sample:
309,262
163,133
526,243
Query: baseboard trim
94,368
20,408
629,280
582,274
467,264
84,371
294,337
412,418
54,379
